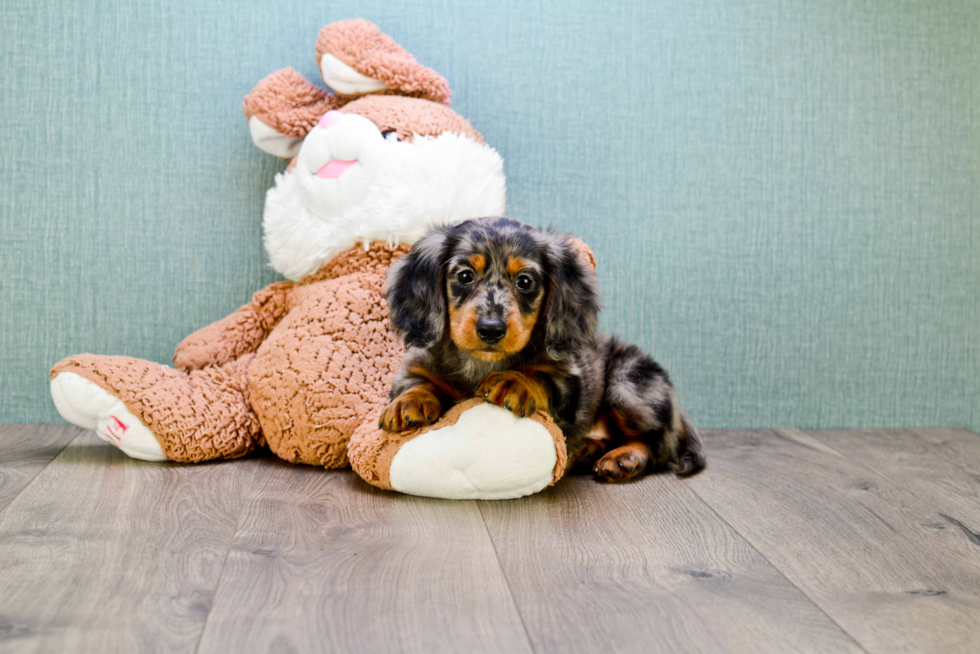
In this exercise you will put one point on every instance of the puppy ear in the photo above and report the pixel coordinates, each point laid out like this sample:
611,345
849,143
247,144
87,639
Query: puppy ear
414,288
573,298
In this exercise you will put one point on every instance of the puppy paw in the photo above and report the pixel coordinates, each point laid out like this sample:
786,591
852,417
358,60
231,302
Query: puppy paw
413,408
584,452
623,463
514,392
583,457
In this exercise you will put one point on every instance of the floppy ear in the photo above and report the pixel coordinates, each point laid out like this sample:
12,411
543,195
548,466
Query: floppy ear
355,57
414,288
573,298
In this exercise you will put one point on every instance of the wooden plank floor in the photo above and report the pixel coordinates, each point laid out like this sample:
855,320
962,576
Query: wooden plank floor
791,541
24,451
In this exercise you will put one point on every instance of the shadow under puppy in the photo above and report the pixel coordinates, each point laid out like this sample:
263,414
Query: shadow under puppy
500,309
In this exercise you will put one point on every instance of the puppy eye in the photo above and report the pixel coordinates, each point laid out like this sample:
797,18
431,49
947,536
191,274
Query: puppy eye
464,277
525,282
389,135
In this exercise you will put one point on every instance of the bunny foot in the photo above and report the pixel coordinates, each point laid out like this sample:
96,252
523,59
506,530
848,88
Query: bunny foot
86,404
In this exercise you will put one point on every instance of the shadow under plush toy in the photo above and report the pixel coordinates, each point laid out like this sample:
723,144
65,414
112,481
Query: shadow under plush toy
306,366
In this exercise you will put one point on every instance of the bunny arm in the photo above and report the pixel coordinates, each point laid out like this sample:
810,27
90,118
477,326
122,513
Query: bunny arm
237,334
283,108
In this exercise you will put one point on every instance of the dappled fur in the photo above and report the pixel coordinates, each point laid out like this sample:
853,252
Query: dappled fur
615,405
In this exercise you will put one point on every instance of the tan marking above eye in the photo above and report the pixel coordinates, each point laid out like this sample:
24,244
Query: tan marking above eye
478,262
516,265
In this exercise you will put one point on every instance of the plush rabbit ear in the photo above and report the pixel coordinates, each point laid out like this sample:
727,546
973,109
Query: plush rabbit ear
283,108
356,57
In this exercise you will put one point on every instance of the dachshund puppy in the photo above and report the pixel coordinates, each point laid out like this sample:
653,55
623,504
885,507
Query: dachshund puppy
500,309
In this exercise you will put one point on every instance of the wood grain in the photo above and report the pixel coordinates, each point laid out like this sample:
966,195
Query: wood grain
24,451
324,562
911,462
958,446
646,567
104,553
868,545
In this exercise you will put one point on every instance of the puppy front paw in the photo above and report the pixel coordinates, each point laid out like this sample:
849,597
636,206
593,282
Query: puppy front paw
513,391
413,408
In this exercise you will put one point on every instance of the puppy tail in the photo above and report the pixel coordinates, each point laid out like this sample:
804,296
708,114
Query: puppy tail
688,455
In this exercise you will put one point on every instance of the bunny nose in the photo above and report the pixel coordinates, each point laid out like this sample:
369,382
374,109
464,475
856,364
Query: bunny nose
329,119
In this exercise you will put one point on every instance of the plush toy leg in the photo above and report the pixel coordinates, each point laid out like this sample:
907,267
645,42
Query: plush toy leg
476,451
156,413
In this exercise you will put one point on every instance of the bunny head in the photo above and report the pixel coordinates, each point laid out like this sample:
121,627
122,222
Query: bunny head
383,158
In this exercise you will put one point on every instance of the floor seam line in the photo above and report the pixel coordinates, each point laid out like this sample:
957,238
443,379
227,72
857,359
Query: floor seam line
45,467
224,561
781,573
503,574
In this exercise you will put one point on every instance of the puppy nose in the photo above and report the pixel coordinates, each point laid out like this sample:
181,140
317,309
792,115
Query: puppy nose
490,330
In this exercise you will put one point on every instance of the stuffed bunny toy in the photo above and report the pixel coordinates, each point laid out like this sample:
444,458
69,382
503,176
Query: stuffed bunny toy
305,367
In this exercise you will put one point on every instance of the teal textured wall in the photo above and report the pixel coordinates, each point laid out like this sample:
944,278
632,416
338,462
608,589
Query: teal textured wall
784,196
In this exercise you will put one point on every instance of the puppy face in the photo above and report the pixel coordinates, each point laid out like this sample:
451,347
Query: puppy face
489,283
495,288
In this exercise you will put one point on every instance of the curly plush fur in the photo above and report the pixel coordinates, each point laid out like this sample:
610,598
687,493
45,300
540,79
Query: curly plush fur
497,308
